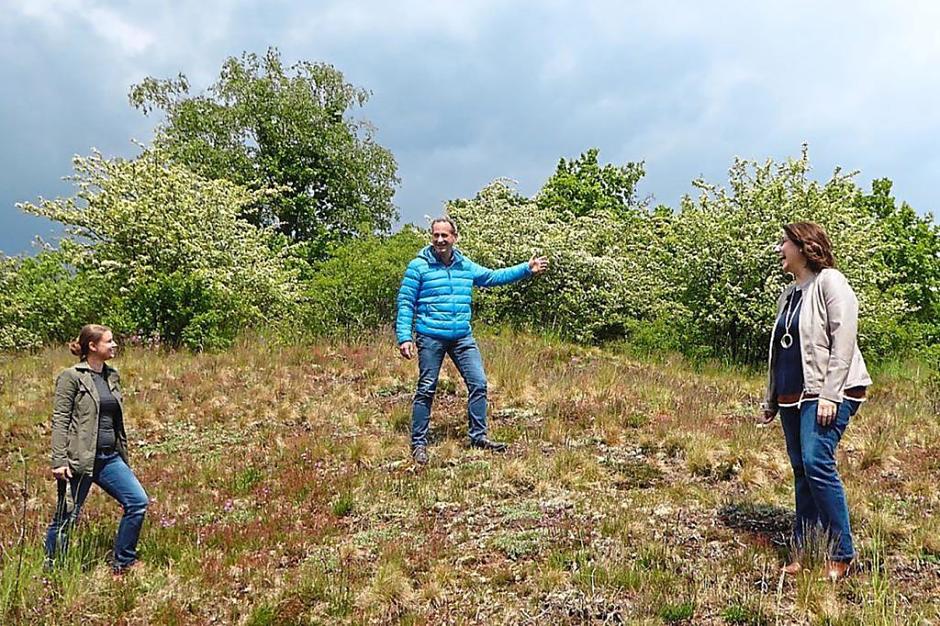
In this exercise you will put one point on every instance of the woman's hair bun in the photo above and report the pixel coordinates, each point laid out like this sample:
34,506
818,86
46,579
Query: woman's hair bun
91,333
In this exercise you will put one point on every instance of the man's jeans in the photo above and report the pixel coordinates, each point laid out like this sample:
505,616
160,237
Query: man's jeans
113,475
466,356
820,496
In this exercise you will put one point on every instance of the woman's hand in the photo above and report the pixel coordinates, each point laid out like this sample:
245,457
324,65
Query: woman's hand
825,412
767,417
62,473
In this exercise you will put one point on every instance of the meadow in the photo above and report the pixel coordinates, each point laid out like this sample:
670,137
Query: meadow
637,489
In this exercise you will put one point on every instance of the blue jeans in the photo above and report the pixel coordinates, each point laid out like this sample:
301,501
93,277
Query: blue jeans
820,496
113,475
466,356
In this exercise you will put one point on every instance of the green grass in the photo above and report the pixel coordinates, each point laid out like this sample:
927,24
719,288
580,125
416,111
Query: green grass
343,505
637,488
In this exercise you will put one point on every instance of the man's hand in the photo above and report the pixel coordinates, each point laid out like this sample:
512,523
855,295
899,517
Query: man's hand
62,473
766,417
407,349
825,412
538,264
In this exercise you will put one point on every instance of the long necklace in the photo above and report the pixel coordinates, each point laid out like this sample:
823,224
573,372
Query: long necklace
787,339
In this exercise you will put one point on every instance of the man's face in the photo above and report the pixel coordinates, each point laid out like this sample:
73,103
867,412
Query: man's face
443,239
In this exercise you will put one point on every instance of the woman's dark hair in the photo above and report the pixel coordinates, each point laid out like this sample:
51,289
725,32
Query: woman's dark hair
90,333
813,242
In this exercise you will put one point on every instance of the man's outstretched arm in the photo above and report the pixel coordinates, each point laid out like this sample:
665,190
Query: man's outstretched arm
485,277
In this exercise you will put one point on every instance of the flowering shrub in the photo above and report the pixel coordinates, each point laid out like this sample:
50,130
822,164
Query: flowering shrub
586,294
726,275
169,244
704,279
160,252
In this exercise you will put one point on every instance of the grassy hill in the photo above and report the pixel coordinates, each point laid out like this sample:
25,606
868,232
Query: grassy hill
636,490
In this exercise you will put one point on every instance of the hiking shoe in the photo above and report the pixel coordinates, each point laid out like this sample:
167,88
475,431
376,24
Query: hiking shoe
486,444
837,570
420,455
136,567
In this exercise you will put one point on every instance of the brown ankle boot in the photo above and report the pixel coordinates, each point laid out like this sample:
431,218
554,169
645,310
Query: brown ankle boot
837,570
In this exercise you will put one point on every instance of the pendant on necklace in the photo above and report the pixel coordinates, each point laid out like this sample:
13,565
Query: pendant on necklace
786,341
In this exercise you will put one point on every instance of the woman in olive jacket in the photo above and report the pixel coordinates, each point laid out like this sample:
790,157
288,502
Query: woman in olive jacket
89,445
816,381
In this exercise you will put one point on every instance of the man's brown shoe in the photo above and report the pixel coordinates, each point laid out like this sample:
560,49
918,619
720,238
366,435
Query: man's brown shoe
837,570
792,569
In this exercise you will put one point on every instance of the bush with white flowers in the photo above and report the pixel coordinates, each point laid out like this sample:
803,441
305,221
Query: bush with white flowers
173,247
703,279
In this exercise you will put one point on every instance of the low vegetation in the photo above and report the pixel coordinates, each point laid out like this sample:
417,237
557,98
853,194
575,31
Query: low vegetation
636,490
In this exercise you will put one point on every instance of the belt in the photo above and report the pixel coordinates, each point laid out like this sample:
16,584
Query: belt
853,393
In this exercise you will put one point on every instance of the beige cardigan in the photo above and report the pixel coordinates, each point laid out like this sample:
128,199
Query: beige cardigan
828,323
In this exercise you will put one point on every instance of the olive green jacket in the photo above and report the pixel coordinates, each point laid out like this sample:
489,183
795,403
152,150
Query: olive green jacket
75,418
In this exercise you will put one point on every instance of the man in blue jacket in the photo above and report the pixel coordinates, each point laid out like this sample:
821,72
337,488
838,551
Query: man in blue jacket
434,299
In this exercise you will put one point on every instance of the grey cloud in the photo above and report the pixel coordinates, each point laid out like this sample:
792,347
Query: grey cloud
466,92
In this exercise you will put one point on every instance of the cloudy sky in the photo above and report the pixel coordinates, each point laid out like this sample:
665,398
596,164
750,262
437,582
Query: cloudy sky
467,91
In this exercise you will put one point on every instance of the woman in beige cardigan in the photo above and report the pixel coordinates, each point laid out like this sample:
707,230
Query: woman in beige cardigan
816,382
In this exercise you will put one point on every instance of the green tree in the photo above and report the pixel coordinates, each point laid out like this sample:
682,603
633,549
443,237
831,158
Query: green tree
354,291
582,186
912,251
263,125
43,299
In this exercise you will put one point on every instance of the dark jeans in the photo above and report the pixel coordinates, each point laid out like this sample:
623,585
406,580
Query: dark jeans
113,475
466,356
820,496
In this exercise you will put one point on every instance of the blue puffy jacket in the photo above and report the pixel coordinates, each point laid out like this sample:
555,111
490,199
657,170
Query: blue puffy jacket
439,295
